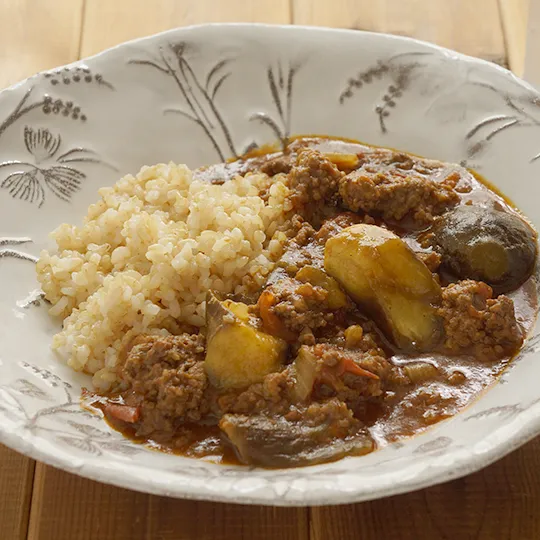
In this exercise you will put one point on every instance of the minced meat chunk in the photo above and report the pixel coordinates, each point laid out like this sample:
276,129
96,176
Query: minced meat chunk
353,376
475,322
332,227
332,412
272,395
394,197
281,164
165,376
298,305
314,182
431,259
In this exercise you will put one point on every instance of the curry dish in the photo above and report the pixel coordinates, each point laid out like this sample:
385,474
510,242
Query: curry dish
403,291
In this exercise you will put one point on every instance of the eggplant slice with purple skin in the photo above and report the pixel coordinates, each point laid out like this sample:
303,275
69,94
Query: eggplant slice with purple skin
492,245
277,441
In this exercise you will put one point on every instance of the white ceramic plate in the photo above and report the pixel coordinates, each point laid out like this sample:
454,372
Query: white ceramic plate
202,94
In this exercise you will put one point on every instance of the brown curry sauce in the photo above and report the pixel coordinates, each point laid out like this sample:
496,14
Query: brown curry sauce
404,411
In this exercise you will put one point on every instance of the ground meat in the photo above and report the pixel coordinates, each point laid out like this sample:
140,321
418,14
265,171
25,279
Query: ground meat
299,305
272,396
431,259
332,412
314,182
165,376
338,369
475,322
395,197
335,225
300,251
304,234
281,164
426,406
355,377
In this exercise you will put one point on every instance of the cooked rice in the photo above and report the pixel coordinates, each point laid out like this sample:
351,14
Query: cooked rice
149,251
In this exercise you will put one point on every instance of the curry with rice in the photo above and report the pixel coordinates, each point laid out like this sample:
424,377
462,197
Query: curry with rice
404,290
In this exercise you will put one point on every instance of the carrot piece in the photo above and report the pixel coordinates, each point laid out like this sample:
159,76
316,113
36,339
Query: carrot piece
350,366
271,322
125,413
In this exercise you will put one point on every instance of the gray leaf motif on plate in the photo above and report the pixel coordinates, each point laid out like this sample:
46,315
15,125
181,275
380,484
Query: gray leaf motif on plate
519,114
199,94
17,399
28,388
503,411
437,446
51,169
6,249
281,84
76,75
46,104
402,69
399,70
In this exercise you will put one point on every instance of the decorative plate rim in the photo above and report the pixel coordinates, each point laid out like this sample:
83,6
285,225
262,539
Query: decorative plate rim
501,442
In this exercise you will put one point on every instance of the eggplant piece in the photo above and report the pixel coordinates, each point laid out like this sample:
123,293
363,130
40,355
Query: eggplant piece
275,441
336,297
237,353
387,279
486,244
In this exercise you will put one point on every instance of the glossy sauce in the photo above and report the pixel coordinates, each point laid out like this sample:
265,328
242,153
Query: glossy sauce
408,410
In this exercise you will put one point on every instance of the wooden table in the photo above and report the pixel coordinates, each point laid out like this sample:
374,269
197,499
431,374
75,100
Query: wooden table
39,502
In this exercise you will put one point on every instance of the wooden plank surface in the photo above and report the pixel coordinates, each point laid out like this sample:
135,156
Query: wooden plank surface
16,477
471,27
37,35
66,507
502,502
105,22
514,22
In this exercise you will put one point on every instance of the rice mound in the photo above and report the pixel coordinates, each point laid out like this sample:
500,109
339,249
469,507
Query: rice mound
148,252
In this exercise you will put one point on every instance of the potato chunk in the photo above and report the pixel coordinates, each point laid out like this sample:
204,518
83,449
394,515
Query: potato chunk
384,276
237,353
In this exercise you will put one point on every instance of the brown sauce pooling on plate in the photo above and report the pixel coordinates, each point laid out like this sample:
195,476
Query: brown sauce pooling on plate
405,290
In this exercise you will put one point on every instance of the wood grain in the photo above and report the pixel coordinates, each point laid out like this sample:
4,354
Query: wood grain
501,502
471,27
16,476
37,35
107,23
514,22
66,507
